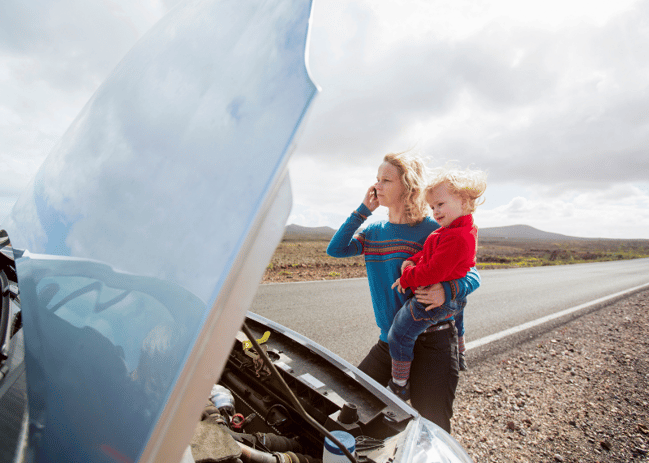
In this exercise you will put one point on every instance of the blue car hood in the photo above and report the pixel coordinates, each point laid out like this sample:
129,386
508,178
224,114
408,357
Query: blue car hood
150,224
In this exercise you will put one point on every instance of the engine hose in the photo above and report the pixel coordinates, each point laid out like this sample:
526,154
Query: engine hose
299,458
250,455
278,443
272,442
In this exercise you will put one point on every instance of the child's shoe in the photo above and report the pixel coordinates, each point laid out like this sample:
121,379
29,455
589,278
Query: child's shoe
462,361
403,392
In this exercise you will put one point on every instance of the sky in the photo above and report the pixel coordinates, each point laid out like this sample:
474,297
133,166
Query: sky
551,99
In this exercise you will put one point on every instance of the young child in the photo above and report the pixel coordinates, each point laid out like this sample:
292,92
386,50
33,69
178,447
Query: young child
448,253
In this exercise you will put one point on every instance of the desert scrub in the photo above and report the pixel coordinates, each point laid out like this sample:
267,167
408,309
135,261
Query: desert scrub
309,253
308,260
553,258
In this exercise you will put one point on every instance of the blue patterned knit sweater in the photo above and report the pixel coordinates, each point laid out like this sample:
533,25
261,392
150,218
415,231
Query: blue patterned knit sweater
385,246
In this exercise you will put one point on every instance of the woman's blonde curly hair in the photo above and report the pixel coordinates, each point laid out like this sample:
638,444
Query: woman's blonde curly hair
412,172
468,184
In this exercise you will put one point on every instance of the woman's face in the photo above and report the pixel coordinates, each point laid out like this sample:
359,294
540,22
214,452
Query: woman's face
389,189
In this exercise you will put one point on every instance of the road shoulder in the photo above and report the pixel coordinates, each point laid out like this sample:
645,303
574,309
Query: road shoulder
578,391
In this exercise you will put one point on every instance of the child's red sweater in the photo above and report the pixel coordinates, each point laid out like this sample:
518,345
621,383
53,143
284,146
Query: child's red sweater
448,254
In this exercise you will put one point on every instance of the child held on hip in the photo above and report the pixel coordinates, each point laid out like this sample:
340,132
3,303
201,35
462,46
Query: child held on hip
448,254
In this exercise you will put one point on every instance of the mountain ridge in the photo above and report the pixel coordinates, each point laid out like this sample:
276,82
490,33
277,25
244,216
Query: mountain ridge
514,232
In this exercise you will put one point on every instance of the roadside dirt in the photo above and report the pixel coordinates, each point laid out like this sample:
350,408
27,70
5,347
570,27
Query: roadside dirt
308,261
579,393
305,260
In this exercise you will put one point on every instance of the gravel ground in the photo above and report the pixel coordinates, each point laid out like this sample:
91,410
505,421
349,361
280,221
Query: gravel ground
576,393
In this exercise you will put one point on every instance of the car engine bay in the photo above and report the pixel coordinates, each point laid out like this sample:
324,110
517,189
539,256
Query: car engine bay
254,418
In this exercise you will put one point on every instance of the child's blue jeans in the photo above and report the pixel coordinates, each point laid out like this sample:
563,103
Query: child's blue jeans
412,320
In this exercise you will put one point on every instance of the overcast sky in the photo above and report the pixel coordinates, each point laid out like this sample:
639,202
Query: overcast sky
550,98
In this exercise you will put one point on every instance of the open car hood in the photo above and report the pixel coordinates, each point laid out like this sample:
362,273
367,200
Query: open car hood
172,182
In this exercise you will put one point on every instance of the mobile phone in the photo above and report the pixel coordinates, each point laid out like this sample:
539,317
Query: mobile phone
374,192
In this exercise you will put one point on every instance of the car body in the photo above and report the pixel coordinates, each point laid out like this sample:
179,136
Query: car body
129,263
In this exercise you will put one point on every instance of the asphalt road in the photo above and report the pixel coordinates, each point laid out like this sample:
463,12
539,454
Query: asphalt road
338,314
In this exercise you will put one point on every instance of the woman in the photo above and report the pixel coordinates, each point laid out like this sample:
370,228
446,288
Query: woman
386,244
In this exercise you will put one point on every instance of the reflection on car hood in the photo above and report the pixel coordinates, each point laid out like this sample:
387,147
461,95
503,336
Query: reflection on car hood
172,183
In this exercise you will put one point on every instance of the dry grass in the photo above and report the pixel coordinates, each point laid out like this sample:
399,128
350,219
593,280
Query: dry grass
499,253
301,260
308,260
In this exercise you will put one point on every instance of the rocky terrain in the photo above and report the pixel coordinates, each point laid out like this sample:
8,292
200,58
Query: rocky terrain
577,393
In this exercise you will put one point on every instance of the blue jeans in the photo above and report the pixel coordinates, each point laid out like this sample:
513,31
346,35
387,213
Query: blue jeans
412,320
459,323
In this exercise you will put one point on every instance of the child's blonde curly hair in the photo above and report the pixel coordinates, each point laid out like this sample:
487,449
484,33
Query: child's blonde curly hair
468,184
412,172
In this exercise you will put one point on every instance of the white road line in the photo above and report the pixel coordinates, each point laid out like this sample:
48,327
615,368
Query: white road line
525,326
272,283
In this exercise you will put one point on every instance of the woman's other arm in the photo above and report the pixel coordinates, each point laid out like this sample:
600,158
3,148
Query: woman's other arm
462,287
448,291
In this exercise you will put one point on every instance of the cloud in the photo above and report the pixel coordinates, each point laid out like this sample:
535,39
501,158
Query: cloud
525,100
16,174
621,211
53,56
549,98
53,44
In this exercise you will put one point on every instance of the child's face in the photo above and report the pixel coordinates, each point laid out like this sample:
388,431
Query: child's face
446,206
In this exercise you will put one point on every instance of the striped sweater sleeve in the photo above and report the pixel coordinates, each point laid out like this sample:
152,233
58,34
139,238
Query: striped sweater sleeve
344,243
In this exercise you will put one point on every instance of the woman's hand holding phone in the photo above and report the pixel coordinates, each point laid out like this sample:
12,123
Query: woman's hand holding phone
371,201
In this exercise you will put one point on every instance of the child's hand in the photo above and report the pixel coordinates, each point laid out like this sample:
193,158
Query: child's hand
406,263
397,283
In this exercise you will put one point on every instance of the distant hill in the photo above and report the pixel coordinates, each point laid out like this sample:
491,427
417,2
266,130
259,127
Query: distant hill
521,232
298,232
